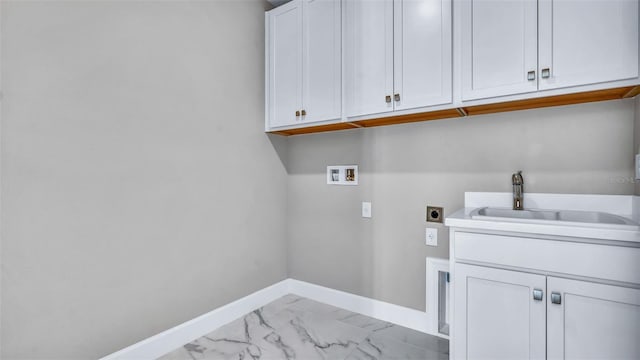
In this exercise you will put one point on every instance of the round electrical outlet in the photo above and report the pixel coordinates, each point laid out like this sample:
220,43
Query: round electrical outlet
434,214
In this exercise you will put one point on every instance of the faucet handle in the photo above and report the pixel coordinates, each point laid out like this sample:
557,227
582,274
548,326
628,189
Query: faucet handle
517,179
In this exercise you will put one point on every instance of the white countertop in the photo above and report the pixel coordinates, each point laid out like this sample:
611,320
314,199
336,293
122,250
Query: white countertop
616,204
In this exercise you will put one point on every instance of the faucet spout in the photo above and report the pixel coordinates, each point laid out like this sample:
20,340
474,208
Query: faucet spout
518,190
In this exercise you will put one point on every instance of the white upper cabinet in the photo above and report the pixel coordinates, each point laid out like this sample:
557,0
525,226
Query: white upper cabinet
422,53
587,42
322,95
397,55
510,47
304,63
498,47
347,61
285,64
368,56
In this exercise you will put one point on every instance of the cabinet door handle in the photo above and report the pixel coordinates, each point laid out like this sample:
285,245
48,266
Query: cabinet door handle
556,298
396,97
531,75
387,98
545,73
537,294
303,112
297,113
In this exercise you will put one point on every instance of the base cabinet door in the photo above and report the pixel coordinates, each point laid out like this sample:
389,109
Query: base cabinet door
496,314
592,321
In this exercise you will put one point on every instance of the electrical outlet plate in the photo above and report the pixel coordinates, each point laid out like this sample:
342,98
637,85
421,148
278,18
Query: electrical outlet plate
342,174
431,237
366,209
435,214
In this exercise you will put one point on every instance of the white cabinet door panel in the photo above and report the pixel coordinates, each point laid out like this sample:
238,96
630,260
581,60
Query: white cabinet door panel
499,43
368,56
592,321
587,42
322,85
422,53
496,316
285,64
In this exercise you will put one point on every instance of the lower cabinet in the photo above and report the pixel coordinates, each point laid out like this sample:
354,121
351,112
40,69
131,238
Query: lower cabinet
505,314
501,317
586,320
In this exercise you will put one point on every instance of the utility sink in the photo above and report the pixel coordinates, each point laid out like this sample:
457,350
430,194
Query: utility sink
558,217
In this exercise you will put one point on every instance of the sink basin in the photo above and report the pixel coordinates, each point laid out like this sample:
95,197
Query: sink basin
559,217
516,214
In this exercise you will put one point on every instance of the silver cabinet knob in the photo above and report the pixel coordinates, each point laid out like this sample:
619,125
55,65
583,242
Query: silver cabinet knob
387,98
537,294
396,97
297,113
303,112
531,75
545,73
556,298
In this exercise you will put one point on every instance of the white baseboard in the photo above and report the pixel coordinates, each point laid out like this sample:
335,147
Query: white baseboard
169,340
400,315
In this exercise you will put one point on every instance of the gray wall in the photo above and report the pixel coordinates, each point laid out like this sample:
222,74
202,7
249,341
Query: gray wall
636,137
574,149
138,188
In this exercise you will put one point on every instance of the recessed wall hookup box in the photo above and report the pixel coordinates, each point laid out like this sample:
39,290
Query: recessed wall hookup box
342,174
435,214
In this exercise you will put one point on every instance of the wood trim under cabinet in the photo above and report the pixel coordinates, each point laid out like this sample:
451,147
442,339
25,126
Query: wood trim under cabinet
402,119
549,101
315,129
558,100
633,92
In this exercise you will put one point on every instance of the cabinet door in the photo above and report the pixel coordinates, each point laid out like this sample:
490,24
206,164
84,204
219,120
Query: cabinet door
322,96
285,64
587,42
422,53
368,56
499,44
592,321
496,316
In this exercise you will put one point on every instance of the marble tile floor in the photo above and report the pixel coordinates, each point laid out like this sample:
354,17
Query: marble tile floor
297,328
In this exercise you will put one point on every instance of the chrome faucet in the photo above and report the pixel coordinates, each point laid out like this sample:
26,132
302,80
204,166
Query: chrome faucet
518,190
